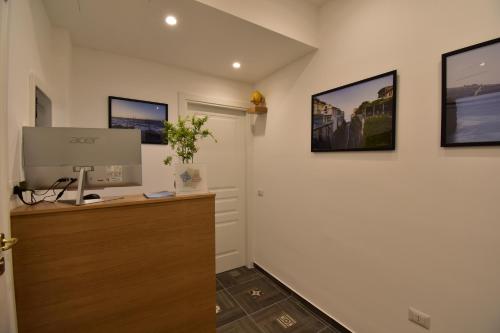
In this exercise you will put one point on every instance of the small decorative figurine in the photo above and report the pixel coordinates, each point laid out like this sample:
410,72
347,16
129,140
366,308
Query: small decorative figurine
258,98
259,102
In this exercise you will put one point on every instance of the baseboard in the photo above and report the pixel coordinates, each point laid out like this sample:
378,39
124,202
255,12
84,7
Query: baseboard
326,318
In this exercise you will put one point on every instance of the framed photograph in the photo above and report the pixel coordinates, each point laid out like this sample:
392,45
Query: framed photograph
470,109
360,116
144,115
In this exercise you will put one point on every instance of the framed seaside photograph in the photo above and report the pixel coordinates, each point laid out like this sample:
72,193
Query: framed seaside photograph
360,116
471,96
143,115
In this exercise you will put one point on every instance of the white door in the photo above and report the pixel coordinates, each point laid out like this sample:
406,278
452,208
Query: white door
7,308
225,161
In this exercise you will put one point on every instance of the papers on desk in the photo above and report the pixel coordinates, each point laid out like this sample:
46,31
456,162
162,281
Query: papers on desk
159,195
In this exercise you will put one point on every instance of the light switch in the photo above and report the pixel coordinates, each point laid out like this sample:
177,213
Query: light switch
419,318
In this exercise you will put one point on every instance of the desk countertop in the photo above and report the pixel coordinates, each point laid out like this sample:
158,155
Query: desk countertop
129,200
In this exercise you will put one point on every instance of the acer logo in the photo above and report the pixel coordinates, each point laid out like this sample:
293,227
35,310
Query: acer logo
83,139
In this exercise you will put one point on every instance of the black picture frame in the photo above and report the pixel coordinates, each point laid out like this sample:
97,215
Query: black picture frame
319,146
449,108
154,134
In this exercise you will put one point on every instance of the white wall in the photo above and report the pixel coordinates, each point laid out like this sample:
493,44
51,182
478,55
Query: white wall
296,19
97,75
35,50
7,306
364,235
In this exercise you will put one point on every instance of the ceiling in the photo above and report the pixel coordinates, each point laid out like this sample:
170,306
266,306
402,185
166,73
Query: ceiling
205,40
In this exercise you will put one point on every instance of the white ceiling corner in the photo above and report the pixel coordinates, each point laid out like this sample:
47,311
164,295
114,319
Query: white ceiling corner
206,40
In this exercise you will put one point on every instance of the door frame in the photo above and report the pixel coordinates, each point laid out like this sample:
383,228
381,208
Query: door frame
9,302
238,106
35,82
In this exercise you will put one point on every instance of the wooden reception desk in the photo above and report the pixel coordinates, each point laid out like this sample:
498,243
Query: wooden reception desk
130,265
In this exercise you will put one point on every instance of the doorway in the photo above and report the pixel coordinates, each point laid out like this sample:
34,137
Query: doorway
43,109
226,168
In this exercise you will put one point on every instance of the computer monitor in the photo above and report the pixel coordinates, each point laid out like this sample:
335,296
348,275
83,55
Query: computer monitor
97,157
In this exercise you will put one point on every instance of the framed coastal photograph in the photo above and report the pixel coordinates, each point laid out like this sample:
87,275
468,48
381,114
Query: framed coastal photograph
471,96
143,115
360,116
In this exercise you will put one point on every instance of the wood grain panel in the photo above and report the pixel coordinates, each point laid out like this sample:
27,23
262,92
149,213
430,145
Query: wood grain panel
120,268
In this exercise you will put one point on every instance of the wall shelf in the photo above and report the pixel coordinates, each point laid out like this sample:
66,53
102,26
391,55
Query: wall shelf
257,109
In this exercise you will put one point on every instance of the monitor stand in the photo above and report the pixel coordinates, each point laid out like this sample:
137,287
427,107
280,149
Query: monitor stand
82,176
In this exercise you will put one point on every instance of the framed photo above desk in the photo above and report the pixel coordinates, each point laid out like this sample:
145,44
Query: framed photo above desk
143,115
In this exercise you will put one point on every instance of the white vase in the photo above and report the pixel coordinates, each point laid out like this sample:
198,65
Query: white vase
190,178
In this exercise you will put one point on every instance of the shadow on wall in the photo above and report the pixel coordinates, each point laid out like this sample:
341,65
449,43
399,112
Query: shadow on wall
477,152
259,125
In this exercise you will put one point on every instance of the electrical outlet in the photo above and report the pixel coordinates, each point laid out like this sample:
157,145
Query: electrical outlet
419,318
21,186
16,183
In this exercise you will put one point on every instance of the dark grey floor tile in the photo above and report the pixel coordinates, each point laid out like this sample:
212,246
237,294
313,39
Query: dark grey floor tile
287,317
218,285
329,330
244,325
226,309
278,286
256,294
237,276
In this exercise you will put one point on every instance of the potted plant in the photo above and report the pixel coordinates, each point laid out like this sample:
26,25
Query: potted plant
182,138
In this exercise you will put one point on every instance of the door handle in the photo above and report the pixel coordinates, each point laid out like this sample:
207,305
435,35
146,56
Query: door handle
7,243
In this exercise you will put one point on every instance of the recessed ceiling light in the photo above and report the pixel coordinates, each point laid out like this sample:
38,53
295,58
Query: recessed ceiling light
482,64
171,20
236,65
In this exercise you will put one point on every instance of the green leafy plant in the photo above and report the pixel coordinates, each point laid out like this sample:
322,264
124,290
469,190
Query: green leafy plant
182,137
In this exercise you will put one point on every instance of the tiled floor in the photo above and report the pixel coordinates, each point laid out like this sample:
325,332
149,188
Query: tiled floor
249,302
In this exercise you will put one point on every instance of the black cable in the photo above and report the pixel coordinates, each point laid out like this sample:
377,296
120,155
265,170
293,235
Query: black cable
33,193
71,181
20,195
53,186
